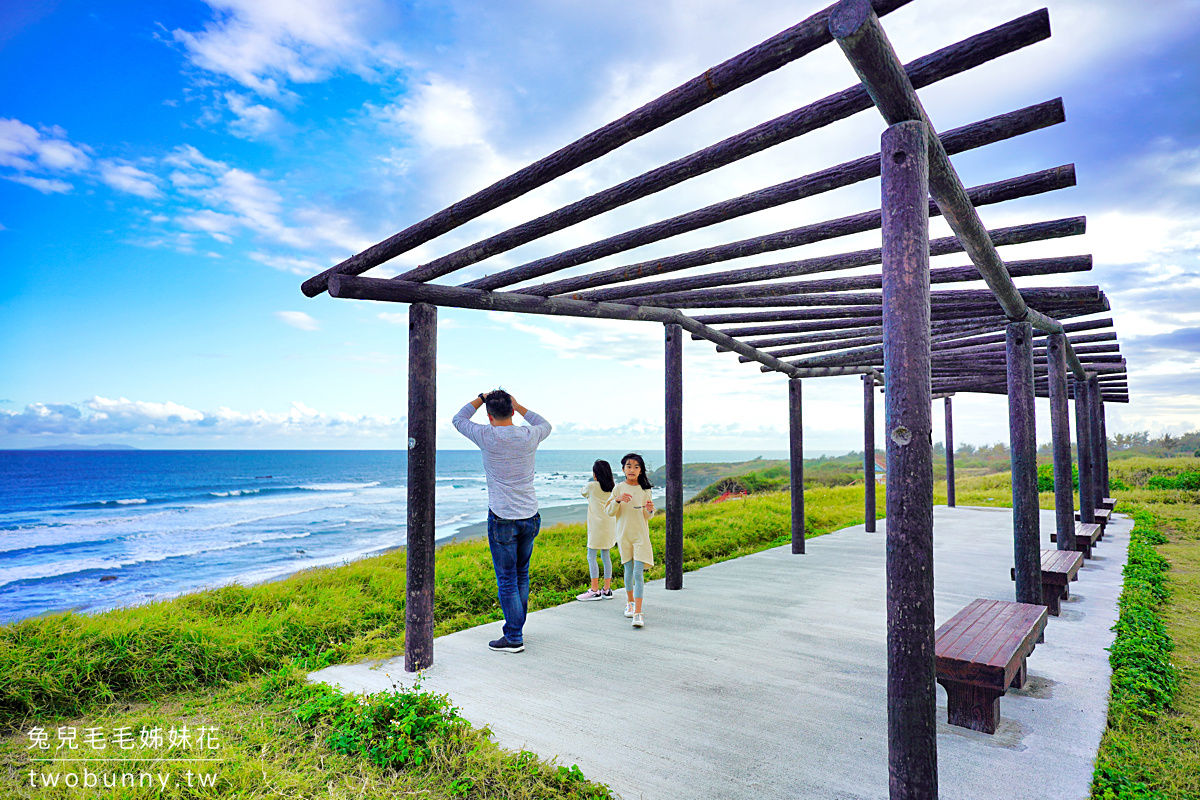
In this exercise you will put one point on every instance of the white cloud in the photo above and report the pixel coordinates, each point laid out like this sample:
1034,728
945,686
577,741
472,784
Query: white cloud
43,185
266,44
632,343
107,417
296,266
22,145
128,178
211,222
298,319
253,119
187,157
437,113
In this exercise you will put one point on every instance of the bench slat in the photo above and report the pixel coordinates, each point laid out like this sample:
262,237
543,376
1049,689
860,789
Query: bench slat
974,630
1061,562
984,639
980,642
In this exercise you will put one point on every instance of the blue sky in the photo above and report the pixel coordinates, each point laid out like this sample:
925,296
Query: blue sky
172,171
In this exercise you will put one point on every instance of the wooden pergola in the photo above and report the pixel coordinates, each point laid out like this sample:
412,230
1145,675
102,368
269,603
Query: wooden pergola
890,327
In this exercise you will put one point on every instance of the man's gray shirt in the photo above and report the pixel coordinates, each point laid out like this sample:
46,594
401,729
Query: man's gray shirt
508,453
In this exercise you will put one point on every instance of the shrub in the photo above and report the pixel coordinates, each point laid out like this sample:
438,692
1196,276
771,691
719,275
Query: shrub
1188,481
1046,477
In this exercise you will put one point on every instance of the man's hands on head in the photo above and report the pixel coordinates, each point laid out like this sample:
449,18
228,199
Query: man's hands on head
478,401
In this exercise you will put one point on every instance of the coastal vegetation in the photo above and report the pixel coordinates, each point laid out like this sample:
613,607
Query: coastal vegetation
235,659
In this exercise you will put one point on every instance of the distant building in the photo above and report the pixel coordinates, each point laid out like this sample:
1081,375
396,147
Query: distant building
880,470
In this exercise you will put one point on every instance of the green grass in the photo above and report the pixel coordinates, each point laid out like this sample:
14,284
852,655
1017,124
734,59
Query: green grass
233,657
1151,748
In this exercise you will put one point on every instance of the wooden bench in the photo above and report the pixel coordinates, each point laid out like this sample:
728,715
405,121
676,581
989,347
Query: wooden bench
981,651
1102,515
1108,502
1059,568
1086,536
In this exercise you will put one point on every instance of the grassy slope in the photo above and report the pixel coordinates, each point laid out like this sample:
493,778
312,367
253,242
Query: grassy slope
225,657
220,658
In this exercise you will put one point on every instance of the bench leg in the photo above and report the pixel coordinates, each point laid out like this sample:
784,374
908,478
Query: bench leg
973,707
1022,675
1051,594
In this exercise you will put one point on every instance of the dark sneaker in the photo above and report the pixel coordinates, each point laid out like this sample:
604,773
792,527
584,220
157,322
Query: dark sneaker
606,594
503,645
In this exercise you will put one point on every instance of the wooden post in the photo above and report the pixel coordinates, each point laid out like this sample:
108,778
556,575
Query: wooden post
1060,433
422,451
1027,556
796,478
1083,440
869,452
912,695
1105,488
1095,410
673,556
949,455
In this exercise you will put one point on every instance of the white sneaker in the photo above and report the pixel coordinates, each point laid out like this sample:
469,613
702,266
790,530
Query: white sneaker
637,621
628,610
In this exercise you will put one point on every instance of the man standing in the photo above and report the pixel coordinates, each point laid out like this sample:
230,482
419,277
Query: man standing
513,519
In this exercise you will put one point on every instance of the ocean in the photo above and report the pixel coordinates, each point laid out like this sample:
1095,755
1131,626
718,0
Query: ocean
96,530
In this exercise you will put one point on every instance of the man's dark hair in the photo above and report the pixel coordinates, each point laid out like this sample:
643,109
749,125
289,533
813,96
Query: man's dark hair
499,404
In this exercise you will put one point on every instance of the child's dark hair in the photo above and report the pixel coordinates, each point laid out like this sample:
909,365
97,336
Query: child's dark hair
499,404
603,472
643,478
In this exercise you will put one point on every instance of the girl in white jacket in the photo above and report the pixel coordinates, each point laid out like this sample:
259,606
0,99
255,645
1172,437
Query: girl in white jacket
630,503
601,531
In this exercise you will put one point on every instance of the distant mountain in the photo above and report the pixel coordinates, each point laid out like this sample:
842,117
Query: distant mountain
84,447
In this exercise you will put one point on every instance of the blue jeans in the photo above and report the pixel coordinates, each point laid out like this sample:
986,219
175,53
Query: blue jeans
511,541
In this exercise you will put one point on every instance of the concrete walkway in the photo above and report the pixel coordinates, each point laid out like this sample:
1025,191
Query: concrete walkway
765,677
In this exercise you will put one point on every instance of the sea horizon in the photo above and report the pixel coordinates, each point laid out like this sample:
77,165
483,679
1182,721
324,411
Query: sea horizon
90,530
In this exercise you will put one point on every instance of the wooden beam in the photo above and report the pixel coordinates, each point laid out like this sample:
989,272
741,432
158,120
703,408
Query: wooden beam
393,291
859,33
821,113
1034,183
748,66
726,285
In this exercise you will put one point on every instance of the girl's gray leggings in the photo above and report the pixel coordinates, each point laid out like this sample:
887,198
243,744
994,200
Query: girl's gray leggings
593,569
634,577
